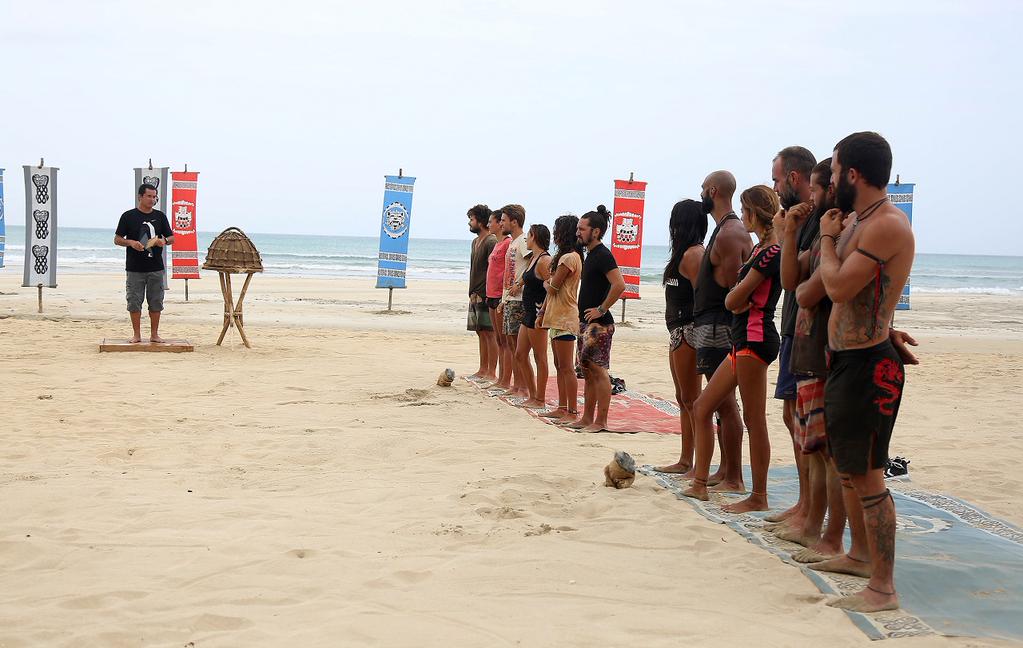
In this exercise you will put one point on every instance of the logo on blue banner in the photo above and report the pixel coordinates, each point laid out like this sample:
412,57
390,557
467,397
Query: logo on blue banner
394,231
901,196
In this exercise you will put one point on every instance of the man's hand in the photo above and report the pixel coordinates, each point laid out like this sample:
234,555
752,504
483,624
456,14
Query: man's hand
795,217
160,242
473,298
592,314
135,245
831,223
779,221
900,340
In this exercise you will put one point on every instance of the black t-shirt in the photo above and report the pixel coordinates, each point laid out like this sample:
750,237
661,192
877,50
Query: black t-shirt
807,233
595,286
134,226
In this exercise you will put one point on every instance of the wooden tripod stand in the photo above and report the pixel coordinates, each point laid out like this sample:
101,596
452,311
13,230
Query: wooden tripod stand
232,309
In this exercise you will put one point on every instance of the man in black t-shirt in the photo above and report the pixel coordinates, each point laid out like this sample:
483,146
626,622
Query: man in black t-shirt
601,286
143,232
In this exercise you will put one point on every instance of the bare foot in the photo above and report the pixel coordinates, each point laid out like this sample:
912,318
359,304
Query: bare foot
784,515
534,403
788,526
716,478
812,555
798,536
867,600
567,417
135,340
844,564
595,427
697,490
557,412
728,487
156,339
678,468
755,502
580,423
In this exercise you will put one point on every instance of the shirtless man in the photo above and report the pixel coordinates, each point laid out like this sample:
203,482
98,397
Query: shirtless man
790,171
864,268
729,246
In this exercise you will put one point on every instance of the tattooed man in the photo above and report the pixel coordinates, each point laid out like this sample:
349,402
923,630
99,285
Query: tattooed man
864,267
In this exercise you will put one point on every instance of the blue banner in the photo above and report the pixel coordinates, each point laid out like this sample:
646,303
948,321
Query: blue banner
394,231
3,228
901,195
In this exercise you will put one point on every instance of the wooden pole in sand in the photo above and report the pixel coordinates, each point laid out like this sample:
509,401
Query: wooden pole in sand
186,289
623,310
40,287
390,296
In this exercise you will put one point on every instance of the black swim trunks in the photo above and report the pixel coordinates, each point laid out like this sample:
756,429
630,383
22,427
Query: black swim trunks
861,402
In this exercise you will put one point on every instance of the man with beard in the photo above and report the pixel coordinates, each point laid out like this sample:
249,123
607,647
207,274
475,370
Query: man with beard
600,287
864,268
790,171
809,364
729,246
479,315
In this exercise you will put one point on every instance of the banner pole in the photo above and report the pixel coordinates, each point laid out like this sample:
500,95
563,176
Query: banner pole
623,310
40,288
186,289
390,295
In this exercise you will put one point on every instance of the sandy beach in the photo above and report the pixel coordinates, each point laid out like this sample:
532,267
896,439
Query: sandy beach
320,490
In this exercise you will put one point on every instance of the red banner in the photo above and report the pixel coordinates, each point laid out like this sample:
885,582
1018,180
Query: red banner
185,251
627,232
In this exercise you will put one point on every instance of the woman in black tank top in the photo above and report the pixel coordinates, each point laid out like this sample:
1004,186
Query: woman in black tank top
531,338
687,228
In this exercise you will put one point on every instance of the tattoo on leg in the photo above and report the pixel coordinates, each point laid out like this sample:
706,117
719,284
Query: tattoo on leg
880,519
870,501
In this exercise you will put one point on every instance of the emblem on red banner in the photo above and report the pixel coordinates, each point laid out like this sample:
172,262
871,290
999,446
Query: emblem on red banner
184,252
627,232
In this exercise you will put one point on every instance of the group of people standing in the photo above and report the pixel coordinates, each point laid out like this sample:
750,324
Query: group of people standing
521,296
827,234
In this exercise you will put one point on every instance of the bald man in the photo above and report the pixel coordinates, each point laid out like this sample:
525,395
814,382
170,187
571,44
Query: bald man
729,246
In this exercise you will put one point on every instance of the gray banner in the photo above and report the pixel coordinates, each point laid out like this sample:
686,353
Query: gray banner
157,176
40,227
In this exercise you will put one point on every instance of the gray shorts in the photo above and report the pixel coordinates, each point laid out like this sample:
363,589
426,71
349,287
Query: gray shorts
148,285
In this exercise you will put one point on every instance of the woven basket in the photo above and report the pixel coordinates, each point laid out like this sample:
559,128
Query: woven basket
232,251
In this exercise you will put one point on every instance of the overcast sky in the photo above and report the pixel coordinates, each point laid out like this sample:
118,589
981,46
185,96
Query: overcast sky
293,111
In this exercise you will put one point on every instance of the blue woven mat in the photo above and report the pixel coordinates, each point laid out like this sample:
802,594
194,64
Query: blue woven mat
958,570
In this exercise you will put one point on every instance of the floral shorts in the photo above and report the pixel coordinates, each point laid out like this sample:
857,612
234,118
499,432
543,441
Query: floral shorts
595,343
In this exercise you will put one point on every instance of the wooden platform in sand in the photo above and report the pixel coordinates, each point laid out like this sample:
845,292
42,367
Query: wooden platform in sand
169,346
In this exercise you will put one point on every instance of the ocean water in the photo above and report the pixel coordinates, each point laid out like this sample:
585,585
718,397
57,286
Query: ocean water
92,250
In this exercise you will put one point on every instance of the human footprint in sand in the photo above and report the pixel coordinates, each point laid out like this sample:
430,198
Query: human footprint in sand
755,346
143,232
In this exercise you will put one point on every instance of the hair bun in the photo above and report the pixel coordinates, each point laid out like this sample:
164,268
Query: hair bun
601,209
